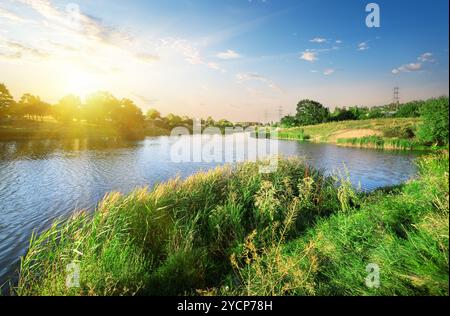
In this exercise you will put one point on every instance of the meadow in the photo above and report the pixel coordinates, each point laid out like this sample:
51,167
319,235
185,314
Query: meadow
234,231
381,133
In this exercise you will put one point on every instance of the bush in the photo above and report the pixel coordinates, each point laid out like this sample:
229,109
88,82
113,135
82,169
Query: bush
434,129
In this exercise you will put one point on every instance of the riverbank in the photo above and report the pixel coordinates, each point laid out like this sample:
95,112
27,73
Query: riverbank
386,133
236,231
50,129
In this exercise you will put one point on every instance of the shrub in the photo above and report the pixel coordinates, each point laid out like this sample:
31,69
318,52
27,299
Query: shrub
434,129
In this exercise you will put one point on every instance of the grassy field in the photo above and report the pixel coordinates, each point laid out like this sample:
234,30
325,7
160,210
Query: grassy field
387,133
236,231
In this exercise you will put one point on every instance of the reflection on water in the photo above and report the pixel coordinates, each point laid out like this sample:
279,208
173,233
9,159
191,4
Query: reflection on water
41,180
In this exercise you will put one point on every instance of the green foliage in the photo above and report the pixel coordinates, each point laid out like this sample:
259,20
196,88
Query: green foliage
68,109
239,232
381,143
435,114
6,100
311,112
404,232
153,114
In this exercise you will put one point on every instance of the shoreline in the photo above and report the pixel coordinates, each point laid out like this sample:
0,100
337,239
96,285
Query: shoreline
206,259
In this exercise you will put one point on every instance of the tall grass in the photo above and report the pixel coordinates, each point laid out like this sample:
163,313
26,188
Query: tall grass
404,232
173,239
381,143
236,231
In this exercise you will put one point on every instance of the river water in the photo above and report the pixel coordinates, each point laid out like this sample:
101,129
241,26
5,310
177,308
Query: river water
42,180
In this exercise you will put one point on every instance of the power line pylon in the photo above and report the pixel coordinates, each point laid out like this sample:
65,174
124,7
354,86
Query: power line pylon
396,97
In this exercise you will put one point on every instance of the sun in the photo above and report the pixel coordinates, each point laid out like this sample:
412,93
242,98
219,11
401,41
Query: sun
81,83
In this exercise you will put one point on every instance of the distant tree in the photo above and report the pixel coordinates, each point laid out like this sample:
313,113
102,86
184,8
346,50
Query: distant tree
342,115
434,129
173,120
100,107
289,121
32,107
410,109
128,115
375,112
6,100
153,114
67,109
311,112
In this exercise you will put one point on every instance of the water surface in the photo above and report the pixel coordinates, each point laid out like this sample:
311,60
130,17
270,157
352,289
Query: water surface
41,180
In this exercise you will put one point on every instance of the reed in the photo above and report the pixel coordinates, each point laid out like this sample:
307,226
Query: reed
233,230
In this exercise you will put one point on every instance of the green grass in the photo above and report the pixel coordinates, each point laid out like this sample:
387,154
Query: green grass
322,132
236,231
381,143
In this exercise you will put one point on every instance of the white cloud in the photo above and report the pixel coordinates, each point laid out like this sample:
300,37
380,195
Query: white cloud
328,72
309,56
339,42
426,57
318,40
363,46
5,14
411,67
229,54
407,68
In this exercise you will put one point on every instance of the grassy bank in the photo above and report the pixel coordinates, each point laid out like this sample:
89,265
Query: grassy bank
386,133
51,129
236,231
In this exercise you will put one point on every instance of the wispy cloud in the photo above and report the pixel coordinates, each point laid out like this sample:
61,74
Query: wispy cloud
11,16
18,50
415,66
318,40
328,71
363,46
73,20
147,58
229,54
253,76
426,57
309,56
407,68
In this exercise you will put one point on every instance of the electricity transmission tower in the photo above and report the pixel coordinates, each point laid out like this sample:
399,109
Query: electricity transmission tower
396,97
280,112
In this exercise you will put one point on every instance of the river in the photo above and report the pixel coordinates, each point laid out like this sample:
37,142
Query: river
42,180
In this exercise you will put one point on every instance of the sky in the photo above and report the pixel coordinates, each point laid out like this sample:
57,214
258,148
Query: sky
242,60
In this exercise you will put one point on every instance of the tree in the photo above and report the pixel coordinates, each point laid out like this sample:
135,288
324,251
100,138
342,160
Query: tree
6,100
32,107
434,129
311,112
128,115
67,109
289,121
100,107
153,114
410,109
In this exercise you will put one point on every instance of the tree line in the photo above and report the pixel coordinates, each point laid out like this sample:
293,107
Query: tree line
100,108
434,113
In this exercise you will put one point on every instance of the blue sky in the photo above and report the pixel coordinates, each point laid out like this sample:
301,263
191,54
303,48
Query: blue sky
232,58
